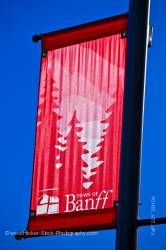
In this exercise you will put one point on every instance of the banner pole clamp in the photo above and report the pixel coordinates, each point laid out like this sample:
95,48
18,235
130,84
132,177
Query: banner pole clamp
36,38
150,41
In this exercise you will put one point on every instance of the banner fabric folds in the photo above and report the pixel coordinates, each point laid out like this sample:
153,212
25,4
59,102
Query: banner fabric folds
78,135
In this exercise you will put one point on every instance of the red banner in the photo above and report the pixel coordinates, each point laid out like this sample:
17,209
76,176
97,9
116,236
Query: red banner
79,125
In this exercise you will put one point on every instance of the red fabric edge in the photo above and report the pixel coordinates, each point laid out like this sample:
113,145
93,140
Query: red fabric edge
72,222
85,32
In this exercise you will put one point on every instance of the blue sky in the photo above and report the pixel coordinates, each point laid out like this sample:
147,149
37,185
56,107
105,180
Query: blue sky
19,69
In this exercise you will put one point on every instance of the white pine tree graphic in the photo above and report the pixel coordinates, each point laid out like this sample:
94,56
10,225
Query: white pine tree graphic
92,145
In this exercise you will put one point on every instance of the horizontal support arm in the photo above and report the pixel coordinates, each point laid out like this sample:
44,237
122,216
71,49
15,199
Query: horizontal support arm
152,221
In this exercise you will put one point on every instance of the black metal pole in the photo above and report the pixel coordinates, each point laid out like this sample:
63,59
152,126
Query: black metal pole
126,236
